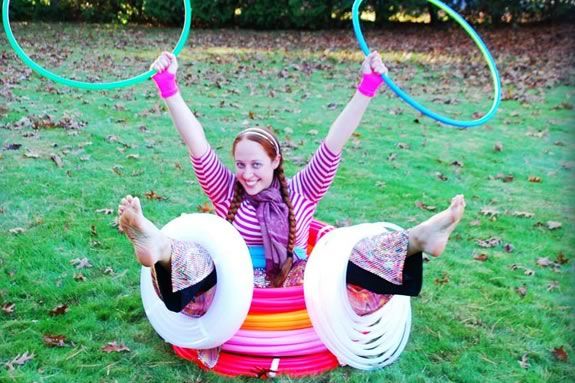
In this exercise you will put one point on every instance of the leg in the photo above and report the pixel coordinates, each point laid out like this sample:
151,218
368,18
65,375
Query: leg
181,270
432,235
391,263
150,244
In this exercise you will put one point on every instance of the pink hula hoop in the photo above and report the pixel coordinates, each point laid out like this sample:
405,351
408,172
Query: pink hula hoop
252,352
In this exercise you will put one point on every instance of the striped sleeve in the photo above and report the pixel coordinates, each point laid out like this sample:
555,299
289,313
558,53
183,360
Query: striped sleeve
216,180
314,180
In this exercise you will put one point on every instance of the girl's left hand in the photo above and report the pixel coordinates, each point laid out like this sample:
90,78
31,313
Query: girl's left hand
373,64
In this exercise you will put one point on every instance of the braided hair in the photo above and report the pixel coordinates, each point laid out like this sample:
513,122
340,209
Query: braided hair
271,146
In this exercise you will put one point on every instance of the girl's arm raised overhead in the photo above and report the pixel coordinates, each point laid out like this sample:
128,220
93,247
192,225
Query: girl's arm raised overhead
349,119
184,120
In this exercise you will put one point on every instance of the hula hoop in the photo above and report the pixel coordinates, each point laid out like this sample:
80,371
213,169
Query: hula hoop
364,342
90,85
233,294
407,98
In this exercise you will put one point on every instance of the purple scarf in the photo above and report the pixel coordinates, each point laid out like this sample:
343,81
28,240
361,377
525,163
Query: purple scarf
273,217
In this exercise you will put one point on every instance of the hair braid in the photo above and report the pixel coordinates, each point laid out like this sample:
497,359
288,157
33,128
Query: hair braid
278,279
285,195
236,202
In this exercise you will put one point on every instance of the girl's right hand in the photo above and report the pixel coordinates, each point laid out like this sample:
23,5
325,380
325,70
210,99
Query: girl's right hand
166,61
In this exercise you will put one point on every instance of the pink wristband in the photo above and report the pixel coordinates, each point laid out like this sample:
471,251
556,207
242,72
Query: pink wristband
370,83
166,83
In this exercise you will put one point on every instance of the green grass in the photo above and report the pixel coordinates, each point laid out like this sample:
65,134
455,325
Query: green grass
473,328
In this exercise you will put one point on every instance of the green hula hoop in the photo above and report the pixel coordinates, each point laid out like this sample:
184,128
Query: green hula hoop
90,85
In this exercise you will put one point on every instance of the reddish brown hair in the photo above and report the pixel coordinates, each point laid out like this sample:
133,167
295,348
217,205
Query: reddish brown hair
269,143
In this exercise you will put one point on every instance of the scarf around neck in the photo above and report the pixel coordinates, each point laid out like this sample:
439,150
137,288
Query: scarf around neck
273,216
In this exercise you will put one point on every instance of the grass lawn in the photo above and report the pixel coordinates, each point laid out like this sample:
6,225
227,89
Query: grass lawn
496,307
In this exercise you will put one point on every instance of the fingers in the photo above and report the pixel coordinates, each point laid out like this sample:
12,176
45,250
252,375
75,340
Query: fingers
166,61
374,64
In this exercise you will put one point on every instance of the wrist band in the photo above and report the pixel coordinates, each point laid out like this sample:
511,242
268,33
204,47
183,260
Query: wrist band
166,83
370,83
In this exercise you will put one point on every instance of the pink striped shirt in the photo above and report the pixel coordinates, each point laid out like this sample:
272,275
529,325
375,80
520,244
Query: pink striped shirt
306,189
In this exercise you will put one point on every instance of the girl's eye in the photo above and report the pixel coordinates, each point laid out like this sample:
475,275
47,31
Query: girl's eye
257,165
239,165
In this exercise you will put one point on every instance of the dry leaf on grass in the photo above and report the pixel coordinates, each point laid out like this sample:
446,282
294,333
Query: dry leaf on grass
115,347
560,354
54,340
522,291
153,195
59,310
523,362
9,307
206,207
81,263
19,360
487,243
423,206
481,257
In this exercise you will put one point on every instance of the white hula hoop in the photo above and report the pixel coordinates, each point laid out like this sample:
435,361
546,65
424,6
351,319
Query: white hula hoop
364,342
234,289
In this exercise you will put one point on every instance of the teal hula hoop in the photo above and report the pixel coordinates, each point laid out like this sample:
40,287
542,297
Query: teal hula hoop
407,98
90,85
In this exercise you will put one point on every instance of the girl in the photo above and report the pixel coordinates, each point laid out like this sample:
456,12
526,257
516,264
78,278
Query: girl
273,214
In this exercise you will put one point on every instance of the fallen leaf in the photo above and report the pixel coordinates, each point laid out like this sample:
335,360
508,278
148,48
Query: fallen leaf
54,340
206,207
30,154
423,206
17,230
552,285
458,164
114,347
105,211
391,156
19,360
441,176
79,277
489,211
523,362
475,222
560,354
81,263
403,145
8,308
498,147
534,179
506,178
57,160
544,262
508,248
12,146
153,195
522,291
561,259
109,271
443,280
481,257
552,225
491,242
59,310
523,214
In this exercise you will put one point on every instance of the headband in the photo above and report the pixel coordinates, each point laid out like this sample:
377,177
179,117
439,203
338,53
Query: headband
263,133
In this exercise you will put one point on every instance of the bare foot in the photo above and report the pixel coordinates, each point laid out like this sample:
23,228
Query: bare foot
150,244
432,235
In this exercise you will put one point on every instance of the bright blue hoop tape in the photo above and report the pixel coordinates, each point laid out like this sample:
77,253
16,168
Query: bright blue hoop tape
407,98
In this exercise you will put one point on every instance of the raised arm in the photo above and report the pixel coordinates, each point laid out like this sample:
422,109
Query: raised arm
349,119
184,120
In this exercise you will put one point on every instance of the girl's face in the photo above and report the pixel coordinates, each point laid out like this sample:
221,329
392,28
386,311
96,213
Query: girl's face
254,168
